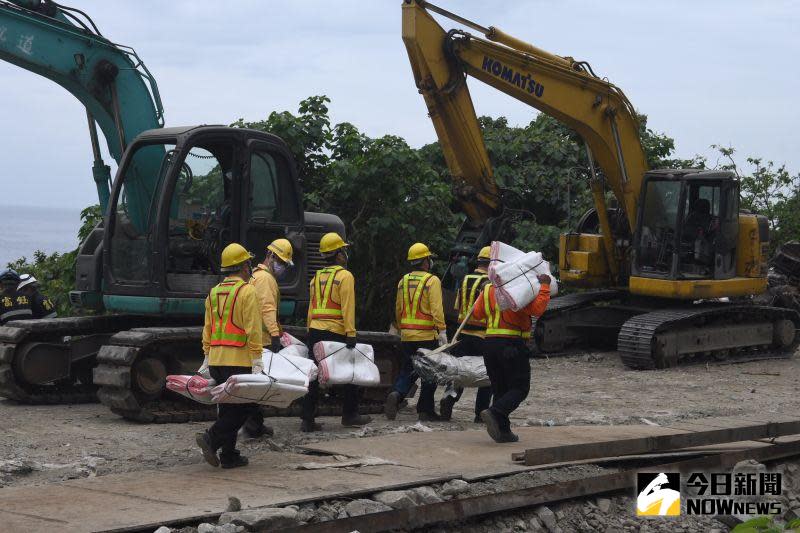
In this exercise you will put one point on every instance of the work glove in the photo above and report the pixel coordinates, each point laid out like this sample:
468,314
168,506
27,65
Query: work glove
351,342
276,345
258,366
442,338
544,279
203,370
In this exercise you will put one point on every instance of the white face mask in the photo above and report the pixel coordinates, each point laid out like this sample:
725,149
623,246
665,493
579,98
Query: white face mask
279,268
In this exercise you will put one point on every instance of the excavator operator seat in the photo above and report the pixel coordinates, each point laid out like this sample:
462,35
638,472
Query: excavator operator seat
688,225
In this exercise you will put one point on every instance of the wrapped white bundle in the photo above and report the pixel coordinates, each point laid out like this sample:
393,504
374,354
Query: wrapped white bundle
290,365
340,365
514,276
257,388
444,369
194,387
289,340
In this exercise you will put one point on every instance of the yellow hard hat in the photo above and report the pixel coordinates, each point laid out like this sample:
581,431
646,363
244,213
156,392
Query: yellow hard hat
234,254
485,253
418,251
331,242
283,249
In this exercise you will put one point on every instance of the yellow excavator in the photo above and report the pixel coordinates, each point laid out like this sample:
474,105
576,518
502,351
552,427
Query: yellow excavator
672,266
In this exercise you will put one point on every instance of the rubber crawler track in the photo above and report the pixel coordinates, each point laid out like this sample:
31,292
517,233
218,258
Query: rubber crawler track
114,373
636,341
559,307
15,335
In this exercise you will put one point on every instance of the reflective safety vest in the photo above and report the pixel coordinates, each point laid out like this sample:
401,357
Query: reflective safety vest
322,306
470,286
495,325
223,301
412,316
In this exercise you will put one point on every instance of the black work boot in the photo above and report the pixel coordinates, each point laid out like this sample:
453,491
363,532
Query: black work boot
257,432
354,421
209,453
309,426
492,425
508,436
428,417
478,419
392,405
446,408
234,461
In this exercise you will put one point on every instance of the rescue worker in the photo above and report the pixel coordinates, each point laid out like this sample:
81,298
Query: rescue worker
13,305
41,305
420,317
265,278
507,356
470,342
232,345
331,317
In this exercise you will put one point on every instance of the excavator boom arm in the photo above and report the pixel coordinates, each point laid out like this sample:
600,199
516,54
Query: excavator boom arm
110,80
559,86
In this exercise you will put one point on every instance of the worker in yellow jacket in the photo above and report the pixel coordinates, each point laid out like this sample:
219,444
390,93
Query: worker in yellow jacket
332,317
470,343
419,314
232,345
265,279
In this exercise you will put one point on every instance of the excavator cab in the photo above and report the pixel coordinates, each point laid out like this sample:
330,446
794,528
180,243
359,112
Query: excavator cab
688,230
181,195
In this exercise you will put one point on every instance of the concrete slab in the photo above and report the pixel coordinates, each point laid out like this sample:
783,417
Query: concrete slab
156,497
472,454
150,498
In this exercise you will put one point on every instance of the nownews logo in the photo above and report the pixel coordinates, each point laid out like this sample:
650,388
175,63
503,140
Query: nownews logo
716,493
659,494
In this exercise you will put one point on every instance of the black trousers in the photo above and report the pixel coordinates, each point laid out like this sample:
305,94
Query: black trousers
508,364
350,393
408,376
470,345
230,416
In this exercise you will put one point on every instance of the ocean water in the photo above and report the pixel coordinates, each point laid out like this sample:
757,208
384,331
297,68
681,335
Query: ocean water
25,229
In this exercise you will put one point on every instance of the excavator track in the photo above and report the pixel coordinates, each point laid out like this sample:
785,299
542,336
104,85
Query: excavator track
547,329
77,386
132,368
133,365
667,338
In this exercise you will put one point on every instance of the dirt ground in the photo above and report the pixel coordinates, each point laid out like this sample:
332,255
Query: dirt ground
40,444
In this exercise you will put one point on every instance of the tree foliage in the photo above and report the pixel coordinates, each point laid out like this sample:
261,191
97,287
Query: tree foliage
386,193
769,190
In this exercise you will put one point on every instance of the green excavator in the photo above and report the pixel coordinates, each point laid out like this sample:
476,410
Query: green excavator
180,195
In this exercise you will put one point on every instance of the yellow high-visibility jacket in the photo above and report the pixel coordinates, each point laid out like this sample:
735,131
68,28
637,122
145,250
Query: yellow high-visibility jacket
269,297
342,299
245,315
467,293
430,304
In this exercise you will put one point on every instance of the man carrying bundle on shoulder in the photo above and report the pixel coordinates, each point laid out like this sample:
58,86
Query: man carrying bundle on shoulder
507,356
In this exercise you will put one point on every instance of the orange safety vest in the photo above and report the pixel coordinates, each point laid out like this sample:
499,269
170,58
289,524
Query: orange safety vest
322,306
495,325
412,316
223,301
470,286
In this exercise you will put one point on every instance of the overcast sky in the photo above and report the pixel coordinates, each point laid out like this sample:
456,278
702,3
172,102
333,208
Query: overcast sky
704,72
